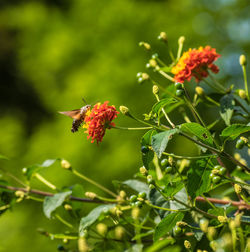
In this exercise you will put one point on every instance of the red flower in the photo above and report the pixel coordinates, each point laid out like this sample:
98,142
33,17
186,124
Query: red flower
195,63
98,120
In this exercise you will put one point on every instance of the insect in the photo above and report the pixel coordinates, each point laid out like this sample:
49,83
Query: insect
78,115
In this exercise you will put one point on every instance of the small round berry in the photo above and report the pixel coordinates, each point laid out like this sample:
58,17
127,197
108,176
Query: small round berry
217,167
240,144
150,180
179,92
151,187
178,85
133,198
222,171
211,175
142,195
169,169
178,230
140,79
238,168
148,65
164,162
138,75
138,204
144,149
216,179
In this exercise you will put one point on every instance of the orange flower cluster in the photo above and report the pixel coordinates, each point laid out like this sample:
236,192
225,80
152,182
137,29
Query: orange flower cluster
98,119
195,63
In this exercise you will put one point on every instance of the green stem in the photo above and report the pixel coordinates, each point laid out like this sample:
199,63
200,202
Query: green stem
213,86
44,181
186,157
245,81
212,100
93,183
127,128
162,208
165,75
63,221
217,83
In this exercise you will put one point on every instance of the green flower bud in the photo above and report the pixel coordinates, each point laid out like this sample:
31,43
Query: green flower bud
222,219
181,40
122,194
237,188
155,56
143,171
242,94
187,244
155,89
216,179
124,110
82,245
145,45
24,170
240,144
145,76
65,164
243,60
119,232
135,213
179,92
90,195
153,63
200,91
20,194
67,207
102,229
163,36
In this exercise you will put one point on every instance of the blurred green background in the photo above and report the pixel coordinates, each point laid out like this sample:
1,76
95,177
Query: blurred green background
53,53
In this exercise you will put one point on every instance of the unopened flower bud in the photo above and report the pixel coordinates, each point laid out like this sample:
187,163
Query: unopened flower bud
237,156
237,188
65,241
145,76
204,225
118,212
232,225
20,194
243,60
82,245
181,224
171,161
135,213
181,40
102,228
199,91
187,244
238,220
65,164
124,110
143,171
242,94
222,219
119,232
24,170
67,207
90,195
211,233
155,89
122,194
153,63
243,161
145,45
163,36
215,172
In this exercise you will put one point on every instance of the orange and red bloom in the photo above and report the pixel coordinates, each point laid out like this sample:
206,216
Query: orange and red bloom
195,63
98,119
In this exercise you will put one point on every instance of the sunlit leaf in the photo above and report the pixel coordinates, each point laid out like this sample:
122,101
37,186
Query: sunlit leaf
227,108
197,130
160,141
137,185
50,204
233,131
93,216
162,103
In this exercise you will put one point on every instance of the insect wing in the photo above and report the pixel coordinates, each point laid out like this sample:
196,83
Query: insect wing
75,114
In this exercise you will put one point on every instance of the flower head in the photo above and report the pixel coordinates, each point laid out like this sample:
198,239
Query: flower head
98,119
195,63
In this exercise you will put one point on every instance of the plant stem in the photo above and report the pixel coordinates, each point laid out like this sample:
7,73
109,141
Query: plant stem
166,75
44,181
93,183
127,128
186,157
63,221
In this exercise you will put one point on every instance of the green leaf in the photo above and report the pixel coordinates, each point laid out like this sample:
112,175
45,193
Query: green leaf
93,216
50,204
141,235
37,167
137,185
227,108
148,157
234,130
198,181
167,224
160,245
172,188
200,132
162,103
159,141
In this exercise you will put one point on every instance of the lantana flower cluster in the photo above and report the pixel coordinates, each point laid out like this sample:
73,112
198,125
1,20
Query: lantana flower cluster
195,63
98,119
